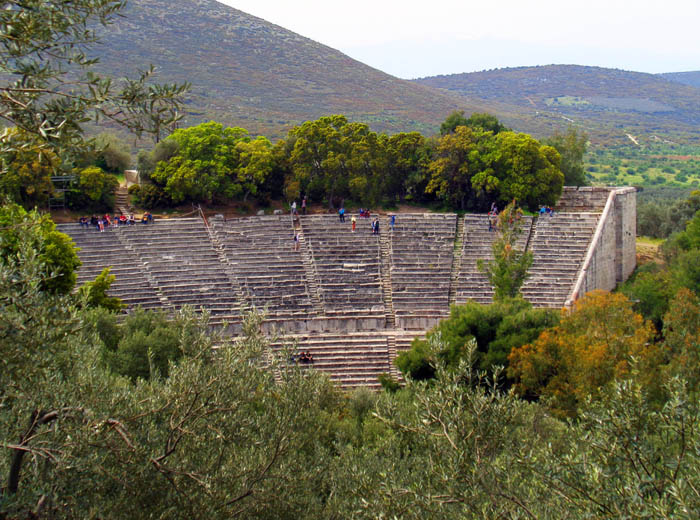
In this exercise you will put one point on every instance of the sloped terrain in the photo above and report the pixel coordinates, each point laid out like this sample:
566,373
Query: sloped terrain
605,102
691,78
248,72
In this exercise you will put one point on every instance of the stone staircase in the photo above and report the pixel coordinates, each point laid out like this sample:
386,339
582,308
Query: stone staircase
165,303
456,260
350,359
385,245
121,200
310,272
227,267
391,348
471,283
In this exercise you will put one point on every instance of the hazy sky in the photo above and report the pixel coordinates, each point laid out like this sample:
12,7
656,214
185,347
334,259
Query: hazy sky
413,39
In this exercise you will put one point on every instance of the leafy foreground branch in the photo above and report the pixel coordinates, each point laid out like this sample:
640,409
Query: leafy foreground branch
217,436
49,90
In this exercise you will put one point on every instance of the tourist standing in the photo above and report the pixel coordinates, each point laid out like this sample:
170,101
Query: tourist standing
341,214
294,207
303,205
392,222
354,222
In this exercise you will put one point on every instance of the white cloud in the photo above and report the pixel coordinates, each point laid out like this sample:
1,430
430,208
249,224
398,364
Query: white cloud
607,31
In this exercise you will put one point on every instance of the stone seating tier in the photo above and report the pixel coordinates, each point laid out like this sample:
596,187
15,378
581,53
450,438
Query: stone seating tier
559,246
350,359
335,282
100,250
421,259
275,280
343,259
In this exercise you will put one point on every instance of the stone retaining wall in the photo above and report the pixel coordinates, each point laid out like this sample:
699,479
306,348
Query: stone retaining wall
611,256
583,198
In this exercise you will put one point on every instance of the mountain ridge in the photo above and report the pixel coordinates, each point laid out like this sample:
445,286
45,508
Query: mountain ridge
599,99
251,73
246,70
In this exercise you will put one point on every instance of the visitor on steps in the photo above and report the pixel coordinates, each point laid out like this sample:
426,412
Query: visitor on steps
294,207
375,226
296,241
303,205
392,223
341,214
84,222
354,223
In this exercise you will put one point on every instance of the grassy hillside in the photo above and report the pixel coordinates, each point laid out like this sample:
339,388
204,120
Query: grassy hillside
669,171
245,71
606,103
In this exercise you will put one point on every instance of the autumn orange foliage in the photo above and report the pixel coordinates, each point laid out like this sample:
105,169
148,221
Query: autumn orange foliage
682,334
593,344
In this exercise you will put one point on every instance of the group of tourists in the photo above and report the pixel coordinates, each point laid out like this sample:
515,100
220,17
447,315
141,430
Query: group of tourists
303,357
546,210
105,221
375,226
295,212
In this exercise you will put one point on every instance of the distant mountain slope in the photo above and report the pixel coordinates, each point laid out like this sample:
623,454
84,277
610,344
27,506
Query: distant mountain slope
248,72
605,102
691,78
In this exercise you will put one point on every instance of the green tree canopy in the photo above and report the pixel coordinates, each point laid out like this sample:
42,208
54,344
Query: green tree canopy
487,122
212,162
571,147
92,190
508,269
528,171
25,175
452,121
459,158
477,120
22,233
333,158
496,329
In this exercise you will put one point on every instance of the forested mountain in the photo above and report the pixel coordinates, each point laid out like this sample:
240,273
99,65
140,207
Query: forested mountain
607,103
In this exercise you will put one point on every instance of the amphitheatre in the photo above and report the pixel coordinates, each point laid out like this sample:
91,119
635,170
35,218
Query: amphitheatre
354,299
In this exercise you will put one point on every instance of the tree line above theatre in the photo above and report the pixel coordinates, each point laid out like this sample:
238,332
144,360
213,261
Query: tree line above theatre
474,162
